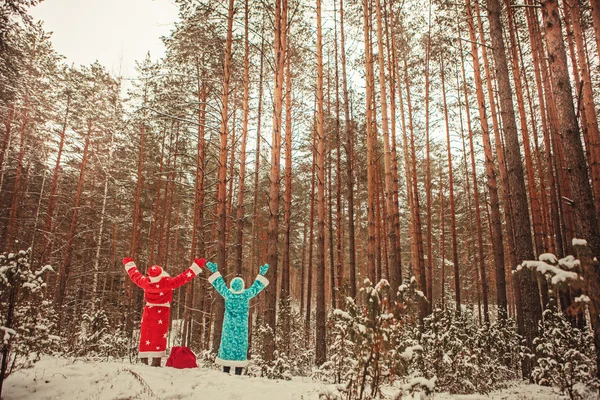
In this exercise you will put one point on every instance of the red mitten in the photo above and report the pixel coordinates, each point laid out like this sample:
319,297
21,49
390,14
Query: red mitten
127,260
201,262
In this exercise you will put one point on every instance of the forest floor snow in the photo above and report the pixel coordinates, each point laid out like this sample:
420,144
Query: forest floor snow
59,378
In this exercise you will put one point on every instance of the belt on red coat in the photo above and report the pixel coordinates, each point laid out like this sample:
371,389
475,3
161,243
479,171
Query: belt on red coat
158,305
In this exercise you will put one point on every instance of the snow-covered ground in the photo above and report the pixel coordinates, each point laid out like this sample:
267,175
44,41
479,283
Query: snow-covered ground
54,378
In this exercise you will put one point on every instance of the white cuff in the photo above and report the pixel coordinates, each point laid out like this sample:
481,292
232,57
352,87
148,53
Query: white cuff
129,265
196,268
147,354
262,280
231,363
214,276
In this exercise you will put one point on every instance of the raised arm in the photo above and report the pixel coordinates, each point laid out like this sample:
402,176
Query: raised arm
134,273
217,280
188,274
259,284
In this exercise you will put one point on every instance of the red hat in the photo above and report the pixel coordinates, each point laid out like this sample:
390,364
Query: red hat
156,273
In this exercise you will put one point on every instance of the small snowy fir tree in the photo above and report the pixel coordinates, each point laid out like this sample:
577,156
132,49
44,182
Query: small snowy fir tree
465,358
96,338
341,358
291,356
564,355
26,320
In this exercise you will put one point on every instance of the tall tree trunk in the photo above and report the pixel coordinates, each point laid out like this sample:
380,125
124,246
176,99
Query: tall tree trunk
155,216
591,119
107,174
469,257
496,225
12,233
532,311
504,188
303,268
419,272
133,246
285,270
478,221
256,219
428,165
442,243
197,240
371,229
280,47
392,72
554,229
338,175
583,201
222,179
65,268
531,182
245,117
409,176
329,191
451,195
47,242
311,223
320,352
170,194
8,122
349,163
395,267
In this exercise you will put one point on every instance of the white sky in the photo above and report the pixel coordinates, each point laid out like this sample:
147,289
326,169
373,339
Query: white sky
114,32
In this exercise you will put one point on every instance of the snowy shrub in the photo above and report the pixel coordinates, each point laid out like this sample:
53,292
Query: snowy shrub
331,394
565,355
370,346
299,354
373,344
96,337
278,368
27,320
206,359
418,388
292,357
408,299
341,358
467,358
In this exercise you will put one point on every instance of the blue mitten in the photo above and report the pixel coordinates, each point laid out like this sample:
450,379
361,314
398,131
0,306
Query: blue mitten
264,269
212,267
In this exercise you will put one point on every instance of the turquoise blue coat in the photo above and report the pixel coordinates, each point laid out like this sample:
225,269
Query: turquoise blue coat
233,351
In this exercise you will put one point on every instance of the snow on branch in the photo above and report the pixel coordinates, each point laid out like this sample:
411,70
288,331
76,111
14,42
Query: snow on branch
558,270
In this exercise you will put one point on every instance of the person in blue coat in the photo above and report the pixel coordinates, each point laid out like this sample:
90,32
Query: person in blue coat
233,351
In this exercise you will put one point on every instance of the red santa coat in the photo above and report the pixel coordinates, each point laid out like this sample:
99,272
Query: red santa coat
158,291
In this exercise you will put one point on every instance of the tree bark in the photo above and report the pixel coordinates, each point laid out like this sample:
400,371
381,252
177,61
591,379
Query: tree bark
371,228
532,312
478,220
46,238
451,195
65,268
12,232
349,163
222,179
419,267
591,119
320,352
496,222
583,202
395,267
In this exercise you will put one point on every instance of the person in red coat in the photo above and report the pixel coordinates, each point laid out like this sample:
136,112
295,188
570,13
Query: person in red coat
158,292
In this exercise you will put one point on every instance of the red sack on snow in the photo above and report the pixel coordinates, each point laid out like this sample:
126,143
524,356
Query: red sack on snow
182,357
